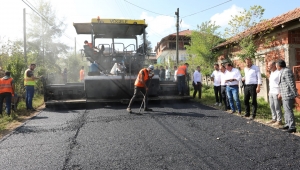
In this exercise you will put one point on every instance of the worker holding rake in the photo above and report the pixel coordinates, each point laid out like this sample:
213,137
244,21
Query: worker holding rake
140,85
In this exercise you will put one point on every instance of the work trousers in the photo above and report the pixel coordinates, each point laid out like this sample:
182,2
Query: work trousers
233,94
288,105
225,98
217,90
197,88
7,96
250,91
275,107
181,84
29,96
137,90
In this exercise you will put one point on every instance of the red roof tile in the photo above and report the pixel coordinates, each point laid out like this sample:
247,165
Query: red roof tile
274,22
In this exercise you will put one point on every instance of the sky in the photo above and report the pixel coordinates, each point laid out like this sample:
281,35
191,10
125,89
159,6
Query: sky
159,14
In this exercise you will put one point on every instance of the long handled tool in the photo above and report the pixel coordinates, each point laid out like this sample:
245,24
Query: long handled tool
144,97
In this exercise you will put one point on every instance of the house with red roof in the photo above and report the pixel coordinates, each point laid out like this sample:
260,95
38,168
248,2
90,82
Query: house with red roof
166,49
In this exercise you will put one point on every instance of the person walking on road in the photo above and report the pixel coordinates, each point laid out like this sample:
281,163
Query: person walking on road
216,77
275,104
29,83
81,74
7,88
181,74
197,83
223,72
232,78
141,85
288,93
252,81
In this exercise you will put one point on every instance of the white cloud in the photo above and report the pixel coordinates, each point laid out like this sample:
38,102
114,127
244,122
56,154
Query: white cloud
161,26
223,18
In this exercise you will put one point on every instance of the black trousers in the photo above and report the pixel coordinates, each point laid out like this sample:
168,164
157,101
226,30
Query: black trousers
250,91
225,98
197,88
137,90
217,90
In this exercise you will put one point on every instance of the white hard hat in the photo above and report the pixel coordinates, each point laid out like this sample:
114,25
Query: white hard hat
151,67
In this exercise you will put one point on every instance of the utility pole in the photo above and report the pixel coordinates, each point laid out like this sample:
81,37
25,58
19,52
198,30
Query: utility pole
24,31
177,30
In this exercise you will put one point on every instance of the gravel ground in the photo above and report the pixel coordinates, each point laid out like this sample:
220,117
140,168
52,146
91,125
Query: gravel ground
173,136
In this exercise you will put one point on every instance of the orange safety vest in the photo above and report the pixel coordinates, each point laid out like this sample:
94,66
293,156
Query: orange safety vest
181,70
6,85
81,73
138,81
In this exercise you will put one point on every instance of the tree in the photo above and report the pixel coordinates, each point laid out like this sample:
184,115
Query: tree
200,49
12,60
43,36
243,30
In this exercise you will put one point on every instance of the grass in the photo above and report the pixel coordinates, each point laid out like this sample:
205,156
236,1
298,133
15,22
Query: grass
263,110
20,114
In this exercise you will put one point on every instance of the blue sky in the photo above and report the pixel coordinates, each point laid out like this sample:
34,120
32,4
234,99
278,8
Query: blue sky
159,26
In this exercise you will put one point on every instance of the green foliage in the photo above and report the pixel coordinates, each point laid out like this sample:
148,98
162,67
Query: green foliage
44,47
242,28
202,41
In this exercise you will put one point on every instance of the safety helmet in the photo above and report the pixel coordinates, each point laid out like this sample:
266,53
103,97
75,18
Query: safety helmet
151,67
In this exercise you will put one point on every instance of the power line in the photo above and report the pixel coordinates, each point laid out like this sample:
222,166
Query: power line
146,9
206,9
42,16
37,13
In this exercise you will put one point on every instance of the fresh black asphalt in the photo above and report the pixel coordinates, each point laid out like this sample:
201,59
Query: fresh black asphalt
175,136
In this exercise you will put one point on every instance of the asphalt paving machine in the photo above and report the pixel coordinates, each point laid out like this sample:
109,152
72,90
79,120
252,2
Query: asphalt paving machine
113,70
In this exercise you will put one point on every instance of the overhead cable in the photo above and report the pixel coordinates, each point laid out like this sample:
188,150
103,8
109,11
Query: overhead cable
147,9
206,9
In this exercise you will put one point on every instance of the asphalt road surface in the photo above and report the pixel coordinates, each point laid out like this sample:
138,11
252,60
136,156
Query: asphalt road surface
175,136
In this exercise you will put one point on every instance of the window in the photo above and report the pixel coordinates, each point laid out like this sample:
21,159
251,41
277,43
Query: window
172,45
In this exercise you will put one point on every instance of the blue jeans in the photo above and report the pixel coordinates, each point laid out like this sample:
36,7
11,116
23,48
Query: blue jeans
233,93
29,96
7,97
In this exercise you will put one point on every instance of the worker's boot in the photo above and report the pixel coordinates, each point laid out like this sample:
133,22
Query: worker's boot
129,110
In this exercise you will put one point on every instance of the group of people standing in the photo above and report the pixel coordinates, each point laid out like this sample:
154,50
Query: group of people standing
7,89
227,80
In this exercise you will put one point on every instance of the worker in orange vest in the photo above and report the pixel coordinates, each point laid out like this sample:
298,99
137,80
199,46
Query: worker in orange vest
81,74
181,74
140,85
7,88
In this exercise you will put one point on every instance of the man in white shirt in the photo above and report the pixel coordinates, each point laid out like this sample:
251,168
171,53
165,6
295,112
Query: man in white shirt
216,77
223,72
175,73
252,81
168,73
232,78
273,94
197,82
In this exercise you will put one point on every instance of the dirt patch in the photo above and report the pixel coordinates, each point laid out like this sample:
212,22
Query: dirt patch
16,123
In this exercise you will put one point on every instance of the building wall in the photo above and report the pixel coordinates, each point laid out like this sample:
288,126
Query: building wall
164,46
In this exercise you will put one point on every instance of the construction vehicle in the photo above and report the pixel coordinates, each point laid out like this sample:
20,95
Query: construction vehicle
117,68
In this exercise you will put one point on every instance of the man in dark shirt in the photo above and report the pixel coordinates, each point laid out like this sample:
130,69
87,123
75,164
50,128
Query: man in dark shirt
65,75
156,71
162,74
